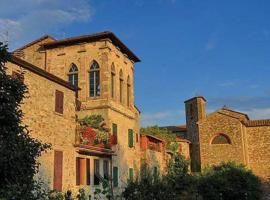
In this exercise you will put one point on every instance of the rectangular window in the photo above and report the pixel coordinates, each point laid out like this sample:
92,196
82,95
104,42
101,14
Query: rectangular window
59,102
115,176
88,172
130,138
106,169
58,170
114,130
131,174
96,172
78,171
82,171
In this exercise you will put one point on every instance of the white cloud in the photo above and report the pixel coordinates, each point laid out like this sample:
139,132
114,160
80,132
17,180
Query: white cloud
26,20
259,113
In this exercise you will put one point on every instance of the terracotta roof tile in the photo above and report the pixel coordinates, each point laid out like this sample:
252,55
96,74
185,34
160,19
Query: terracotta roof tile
260,122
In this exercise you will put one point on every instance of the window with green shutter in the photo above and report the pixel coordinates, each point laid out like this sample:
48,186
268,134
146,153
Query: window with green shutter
131,174
130,138
114,131
115,176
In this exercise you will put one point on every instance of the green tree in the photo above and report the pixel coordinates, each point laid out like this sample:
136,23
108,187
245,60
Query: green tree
229,181
18,151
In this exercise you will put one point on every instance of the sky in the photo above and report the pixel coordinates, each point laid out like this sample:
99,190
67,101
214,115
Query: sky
216,49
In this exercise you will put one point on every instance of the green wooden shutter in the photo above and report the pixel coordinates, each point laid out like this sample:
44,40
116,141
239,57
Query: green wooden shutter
115,176
130,137
114,129
131,174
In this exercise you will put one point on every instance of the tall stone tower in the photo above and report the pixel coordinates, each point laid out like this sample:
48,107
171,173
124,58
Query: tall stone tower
195,111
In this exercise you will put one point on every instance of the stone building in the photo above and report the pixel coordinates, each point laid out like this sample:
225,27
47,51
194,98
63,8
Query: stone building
72,78
49,100
227,135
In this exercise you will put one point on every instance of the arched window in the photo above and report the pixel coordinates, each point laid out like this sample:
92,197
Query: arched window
94,80
112,80
221,139
73,75
121,80
128,91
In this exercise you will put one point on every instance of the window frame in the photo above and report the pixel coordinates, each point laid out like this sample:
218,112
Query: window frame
74,73
94,73
228,139
113,81
121,83
128,91
59,102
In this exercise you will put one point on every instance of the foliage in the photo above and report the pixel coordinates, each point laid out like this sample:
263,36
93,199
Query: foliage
229,181
158,132
94,121
171,186
18,151
104,191
55,195
81,195
165,134
94,124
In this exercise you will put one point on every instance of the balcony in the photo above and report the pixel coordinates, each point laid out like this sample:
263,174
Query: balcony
94,141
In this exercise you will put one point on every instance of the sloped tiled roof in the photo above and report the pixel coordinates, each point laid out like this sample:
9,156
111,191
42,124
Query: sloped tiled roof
94,37
26,65
260,122
35,41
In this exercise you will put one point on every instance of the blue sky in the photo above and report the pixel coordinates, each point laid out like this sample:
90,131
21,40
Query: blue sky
218,49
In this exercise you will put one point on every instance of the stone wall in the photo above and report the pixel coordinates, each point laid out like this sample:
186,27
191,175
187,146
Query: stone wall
258,146
48,126
214,124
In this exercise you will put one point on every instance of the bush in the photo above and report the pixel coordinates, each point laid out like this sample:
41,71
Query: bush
175,184
229,181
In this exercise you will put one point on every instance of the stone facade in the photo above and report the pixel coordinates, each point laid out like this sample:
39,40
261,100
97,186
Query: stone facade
40,117
227,135
55,57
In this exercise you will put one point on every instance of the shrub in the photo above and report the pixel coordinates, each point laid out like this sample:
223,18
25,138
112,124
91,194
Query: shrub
229,181
18,151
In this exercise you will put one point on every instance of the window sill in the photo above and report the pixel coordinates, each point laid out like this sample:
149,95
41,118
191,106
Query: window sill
59,114
94,98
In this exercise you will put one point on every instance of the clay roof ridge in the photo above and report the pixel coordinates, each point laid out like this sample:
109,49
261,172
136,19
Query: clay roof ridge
94,37
228,109
257,122
35,41
15,60
149,135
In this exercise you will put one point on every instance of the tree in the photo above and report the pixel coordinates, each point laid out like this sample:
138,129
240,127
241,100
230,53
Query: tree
229,181
176,184
18,151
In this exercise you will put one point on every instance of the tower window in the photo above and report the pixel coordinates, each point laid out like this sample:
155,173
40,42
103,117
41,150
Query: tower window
112,80
94,80
221,139
128,91
121,80
73,75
